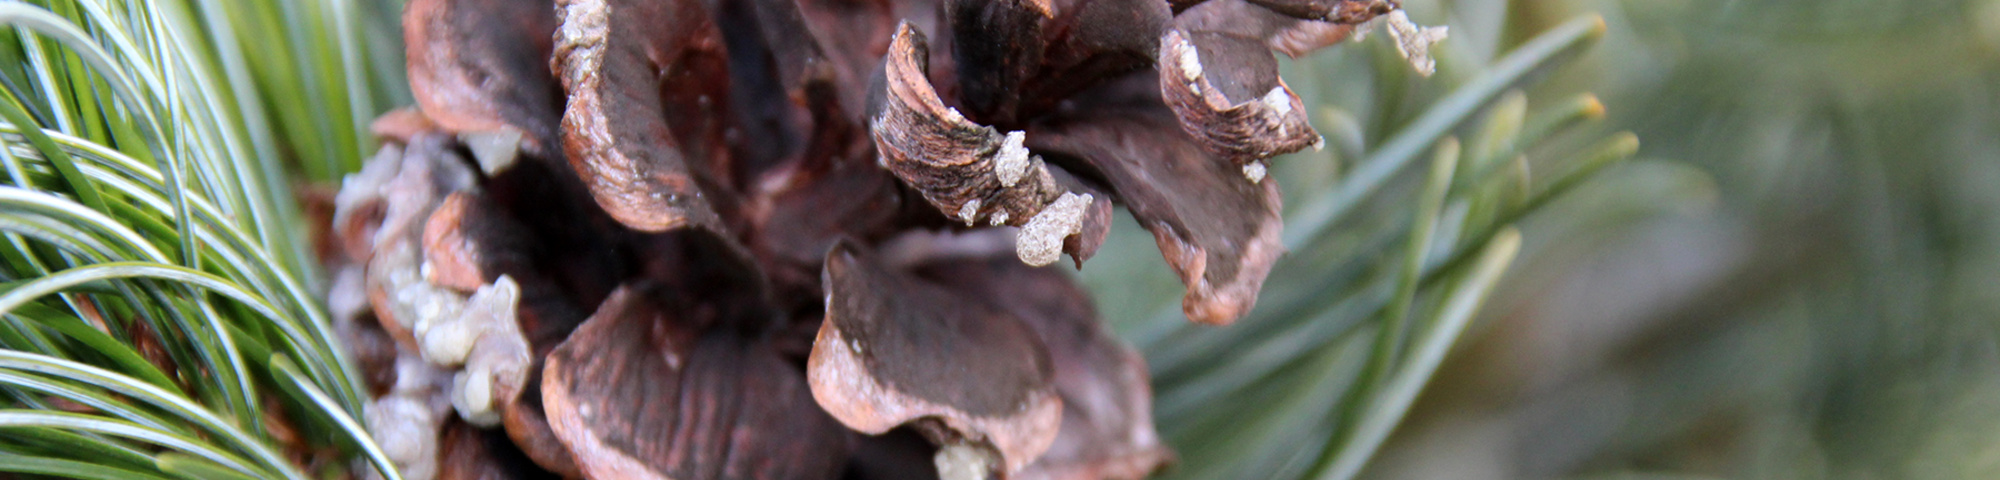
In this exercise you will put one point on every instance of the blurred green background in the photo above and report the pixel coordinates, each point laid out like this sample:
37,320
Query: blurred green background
1798,278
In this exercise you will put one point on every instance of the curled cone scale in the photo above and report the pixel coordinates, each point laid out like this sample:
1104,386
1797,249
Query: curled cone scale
640,392
765,239
895,350
1222,241
1217,72
613,57
967,170
1227,93
1107,426
481,67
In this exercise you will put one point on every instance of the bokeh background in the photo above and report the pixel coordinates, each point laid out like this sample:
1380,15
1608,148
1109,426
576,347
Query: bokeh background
1798,278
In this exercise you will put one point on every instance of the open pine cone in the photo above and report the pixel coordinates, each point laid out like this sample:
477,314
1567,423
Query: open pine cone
802,238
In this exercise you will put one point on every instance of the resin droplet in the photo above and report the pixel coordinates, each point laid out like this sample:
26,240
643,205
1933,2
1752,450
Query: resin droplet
1040,241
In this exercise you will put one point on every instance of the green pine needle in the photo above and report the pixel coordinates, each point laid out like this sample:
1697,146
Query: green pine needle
149,149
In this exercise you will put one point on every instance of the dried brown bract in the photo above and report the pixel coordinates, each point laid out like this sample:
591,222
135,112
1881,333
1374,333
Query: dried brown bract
967,170
1107,426
637,392
1218,73
1220,232
1226,91
480,67
469,243
620,61
896,350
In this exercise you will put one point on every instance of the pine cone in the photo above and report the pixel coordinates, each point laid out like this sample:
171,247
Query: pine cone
781,238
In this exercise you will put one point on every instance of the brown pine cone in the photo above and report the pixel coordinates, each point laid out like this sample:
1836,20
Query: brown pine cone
781,238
